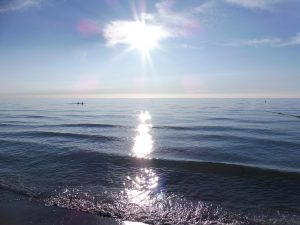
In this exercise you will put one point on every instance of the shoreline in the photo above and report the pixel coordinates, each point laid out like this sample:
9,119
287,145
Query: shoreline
16,209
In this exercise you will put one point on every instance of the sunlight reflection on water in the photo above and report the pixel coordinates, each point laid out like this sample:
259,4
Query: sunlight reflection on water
141,188
143,143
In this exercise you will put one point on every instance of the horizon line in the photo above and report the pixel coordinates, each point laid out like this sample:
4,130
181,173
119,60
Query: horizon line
150,96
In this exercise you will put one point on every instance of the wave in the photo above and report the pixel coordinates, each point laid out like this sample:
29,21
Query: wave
246,140
219,128
49,134
231,169
163,208
80,125
240,120
224,168
24,116
92,125
221,119
16,124
158,208
166,207
19,189
242,169
23,110
5,125
284,114
168,210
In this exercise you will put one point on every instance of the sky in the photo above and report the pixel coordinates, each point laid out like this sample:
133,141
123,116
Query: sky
148,48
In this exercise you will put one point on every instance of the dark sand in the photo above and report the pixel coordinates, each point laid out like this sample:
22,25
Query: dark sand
19,210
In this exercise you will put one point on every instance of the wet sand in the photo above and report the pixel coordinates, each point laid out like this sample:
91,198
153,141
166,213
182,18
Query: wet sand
19,210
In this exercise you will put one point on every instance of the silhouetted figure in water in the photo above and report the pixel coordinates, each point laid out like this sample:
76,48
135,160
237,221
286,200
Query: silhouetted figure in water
79,103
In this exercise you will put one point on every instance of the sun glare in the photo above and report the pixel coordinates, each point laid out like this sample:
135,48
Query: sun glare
137,34
144,37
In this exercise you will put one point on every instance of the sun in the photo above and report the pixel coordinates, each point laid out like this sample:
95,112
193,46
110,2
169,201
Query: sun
144,37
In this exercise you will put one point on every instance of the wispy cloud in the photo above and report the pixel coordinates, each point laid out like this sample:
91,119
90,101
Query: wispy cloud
15,5
187,46
204,7
180,23
295,40
267,41
254,4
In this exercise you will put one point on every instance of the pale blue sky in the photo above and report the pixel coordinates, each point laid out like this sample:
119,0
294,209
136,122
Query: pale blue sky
213,48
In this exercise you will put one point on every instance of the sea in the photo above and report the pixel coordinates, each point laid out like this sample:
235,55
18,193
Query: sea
156,161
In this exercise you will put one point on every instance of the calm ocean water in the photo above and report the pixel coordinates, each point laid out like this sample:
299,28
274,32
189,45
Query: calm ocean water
176,161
